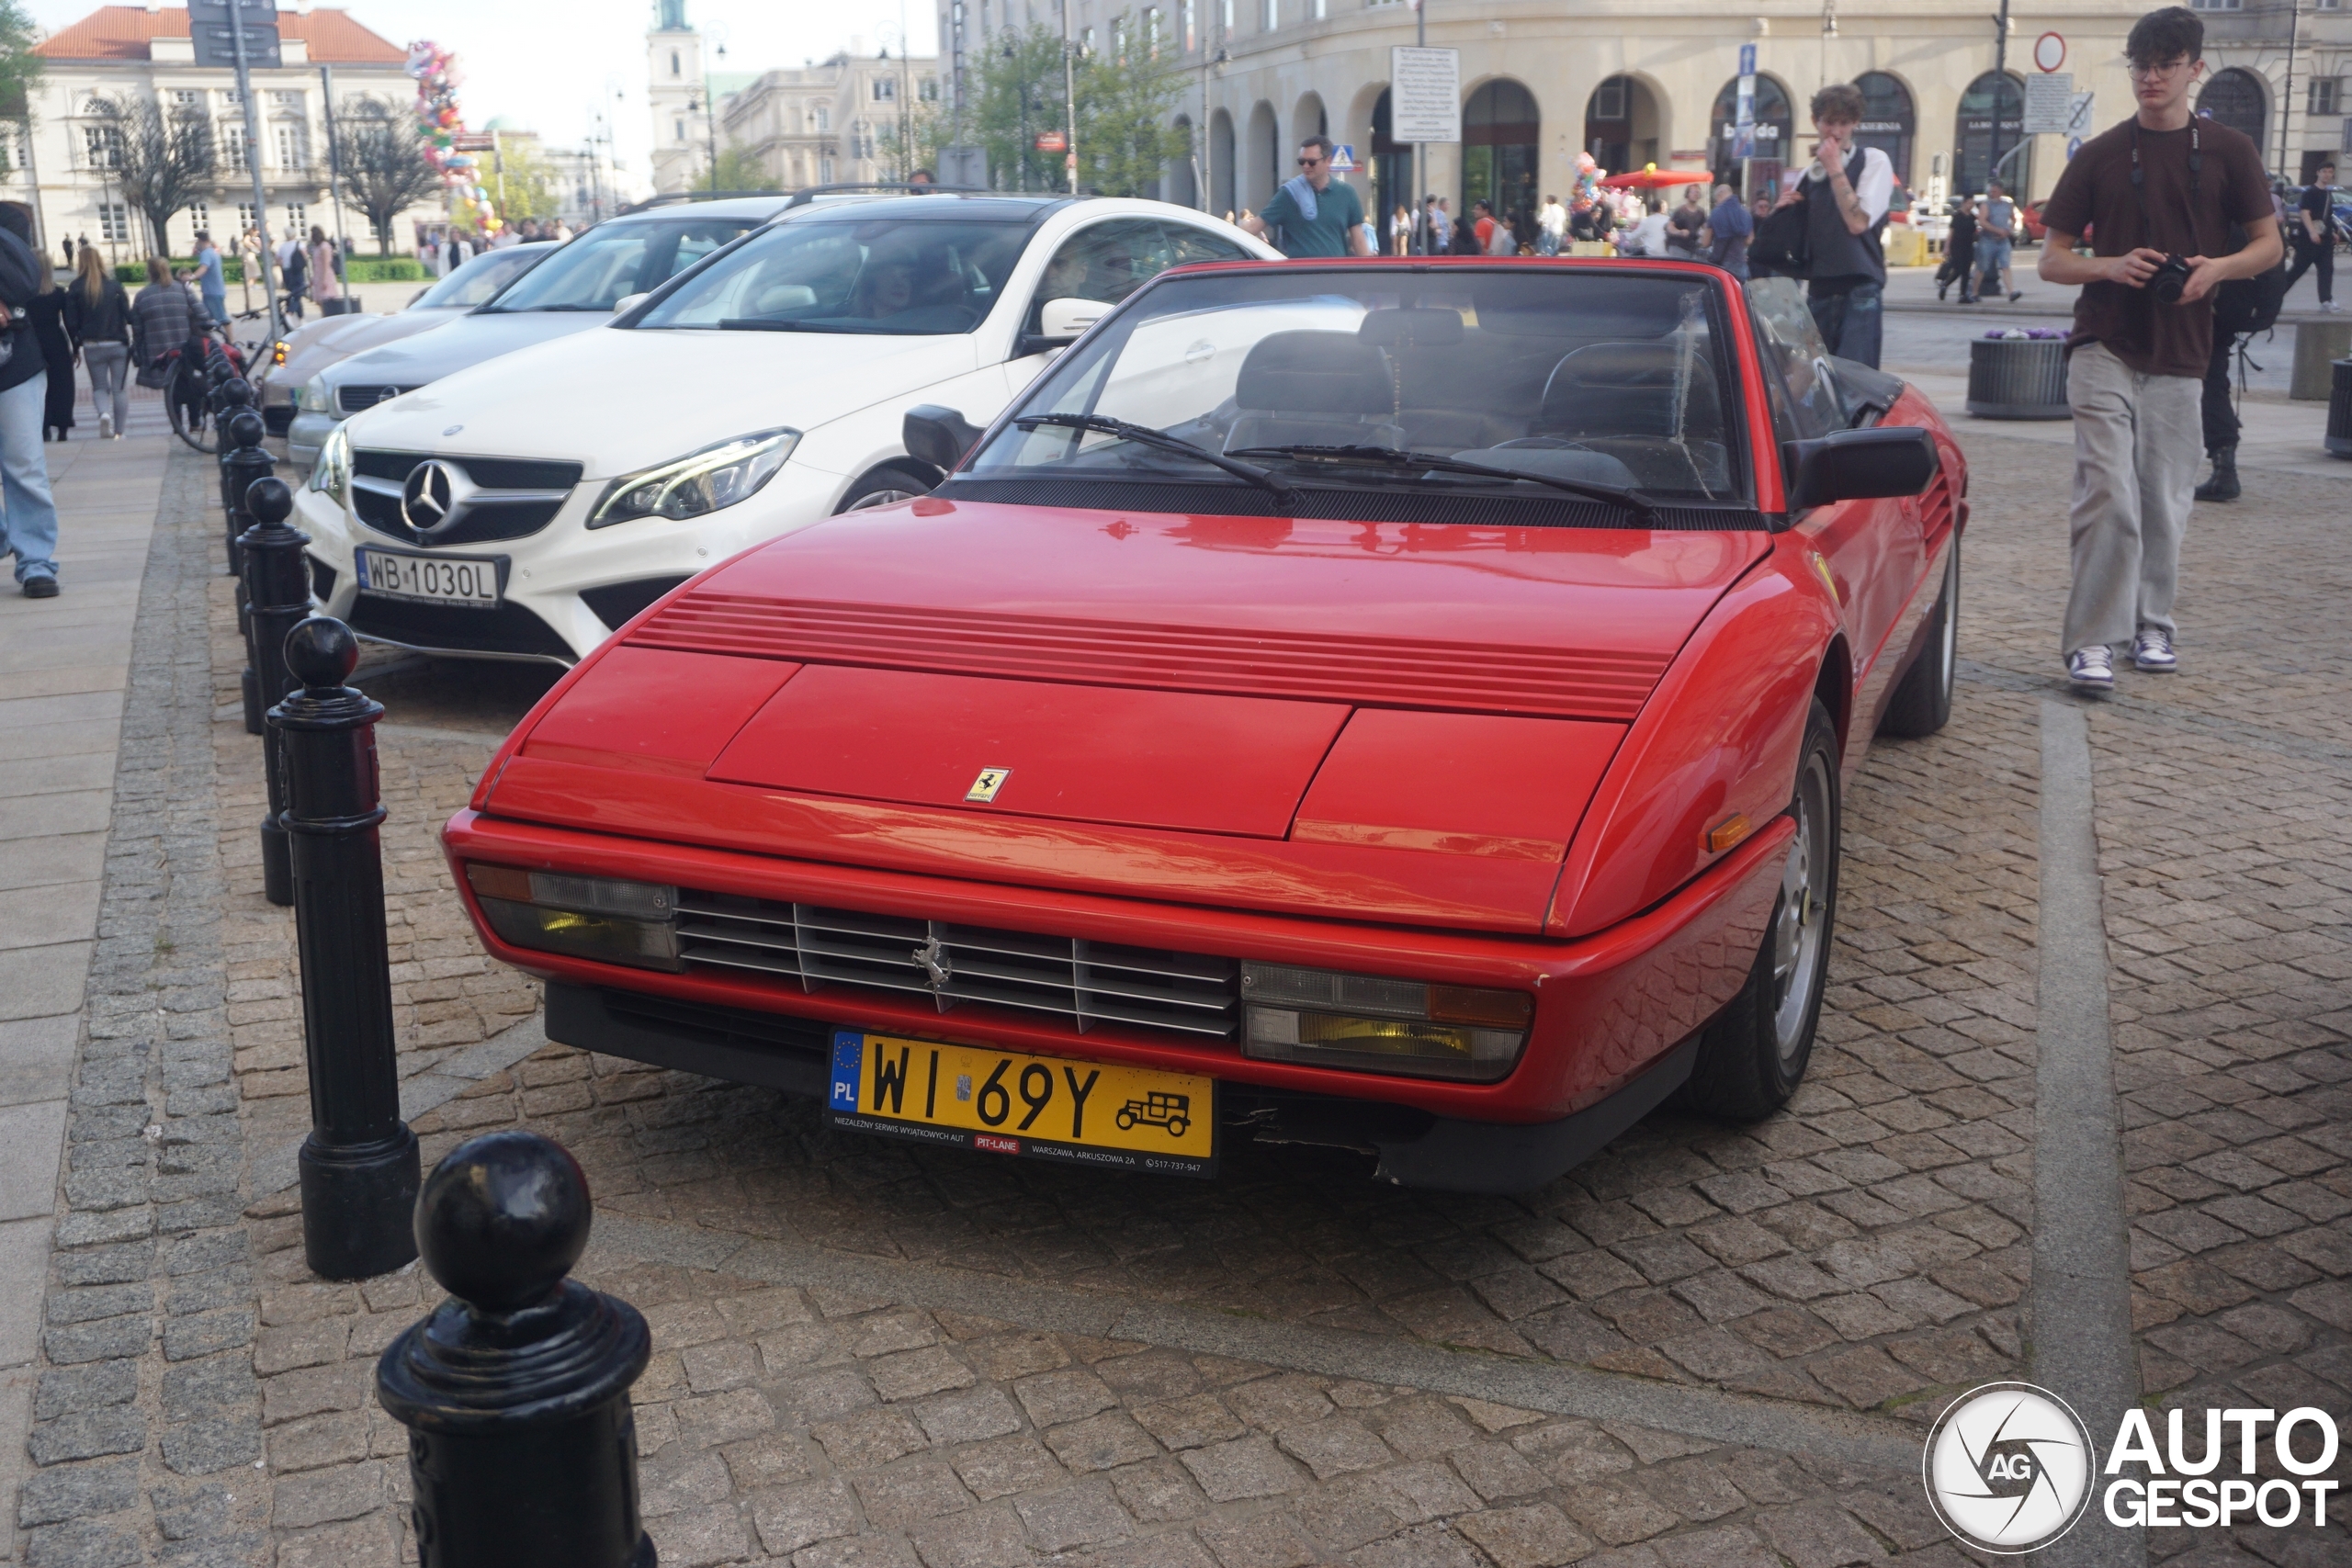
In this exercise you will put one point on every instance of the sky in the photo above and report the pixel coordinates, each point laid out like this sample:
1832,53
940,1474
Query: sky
549,65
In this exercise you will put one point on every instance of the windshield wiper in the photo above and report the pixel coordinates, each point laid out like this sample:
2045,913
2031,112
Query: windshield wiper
1633,500
1143,435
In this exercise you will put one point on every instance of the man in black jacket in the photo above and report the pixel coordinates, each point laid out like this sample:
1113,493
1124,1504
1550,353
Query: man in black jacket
27,511
1845,190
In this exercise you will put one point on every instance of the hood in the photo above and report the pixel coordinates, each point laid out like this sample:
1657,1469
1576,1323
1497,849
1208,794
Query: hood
558,400
1401,722
322,344
468,340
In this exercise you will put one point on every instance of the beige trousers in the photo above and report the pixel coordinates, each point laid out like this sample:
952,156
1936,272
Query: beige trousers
2137,439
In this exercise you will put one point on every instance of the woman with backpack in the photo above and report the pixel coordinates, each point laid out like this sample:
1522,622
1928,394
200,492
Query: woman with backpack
97,314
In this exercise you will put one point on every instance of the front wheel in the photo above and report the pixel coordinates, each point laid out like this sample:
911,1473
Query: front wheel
1754,1054
883,487
1922,703
185,400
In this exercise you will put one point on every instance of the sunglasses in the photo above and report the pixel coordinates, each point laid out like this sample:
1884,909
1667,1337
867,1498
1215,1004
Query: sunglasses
1310,163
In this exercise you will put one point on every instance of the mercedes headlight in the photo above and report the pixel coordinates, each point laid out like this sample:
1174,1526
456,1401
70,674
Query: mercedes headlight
697,483
313,398
332,477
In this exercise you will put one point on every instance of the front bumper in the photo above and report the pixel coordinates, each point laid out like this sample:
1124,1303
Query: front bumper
555,606
1611,1008
307,432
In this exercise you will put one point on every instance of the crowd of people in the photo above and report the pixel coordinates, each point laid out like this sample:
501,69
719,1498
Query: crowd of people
444,247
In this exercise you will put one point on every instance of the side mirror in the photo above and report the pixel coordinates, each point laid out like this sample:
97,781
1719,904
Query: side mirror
937,436
1859,464
627,303
1062,320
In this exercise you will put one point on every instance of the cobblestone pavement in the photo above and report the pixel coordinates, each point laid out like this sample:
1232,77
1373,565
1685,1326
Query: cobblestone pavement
1707,1346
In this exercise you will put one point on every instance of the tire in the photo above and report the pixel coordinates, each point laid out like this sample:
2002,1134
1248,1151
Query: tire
1753,1055
1127,1119
1922,703
191,422
1176,1125
885,486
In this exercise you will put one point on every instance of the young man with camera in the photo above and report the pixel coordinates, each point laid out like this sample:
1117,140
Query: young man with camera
2158,194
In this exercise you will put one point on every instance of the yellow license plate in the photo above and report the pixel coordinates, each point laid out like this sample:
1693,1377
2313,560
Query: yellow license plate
1093,1113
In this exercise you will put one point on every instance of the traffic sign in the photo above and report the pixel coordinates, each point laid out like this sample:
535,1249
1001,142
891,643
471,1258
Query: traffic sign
1343,158
2050,52
2078,116
215,36
1748,60
1052,142
2073,145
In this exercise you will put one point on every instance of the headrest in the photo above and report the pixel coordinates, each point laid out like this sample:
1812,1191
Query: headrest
1621,365
1413,328
1312,372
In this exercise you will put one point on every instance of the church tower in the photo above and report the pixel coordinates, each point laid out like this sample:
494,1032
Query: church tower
674,92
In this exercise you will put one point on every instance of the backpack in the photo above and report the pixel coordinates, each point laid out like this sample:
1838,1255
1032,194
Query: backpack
20,284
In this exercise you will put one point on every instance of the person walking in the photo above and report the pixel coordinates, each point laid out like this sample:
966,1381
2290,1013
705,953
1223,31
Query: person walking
1729,228
1686,224
1502,238
212,282
1846,191
2156,192
1313,215
2313,228
1960,252
1996,232
27,511
97,313
294,276
163,323
46,316
1551,227
321,260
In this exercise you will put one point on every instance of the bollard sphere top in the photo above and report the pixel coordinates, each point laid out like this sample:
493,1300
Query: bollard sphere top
235,390
245,427
502,1220
270,500
321,651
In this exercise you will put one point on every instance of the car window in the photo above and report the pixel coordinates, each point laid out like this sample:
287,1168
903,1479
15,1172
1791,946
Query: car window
1105,262
1186,244
480,280
875,276
1797,374
1582,377
617,259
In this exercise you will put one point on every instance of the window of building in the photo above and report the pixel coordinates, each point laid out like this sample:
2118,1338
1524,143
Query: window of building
928,90
188,98
1151,33
678,129
298,218
2326,95
885,89
113,221
244,216
102,146
1273,17
2217,5
1322,10
292,147
677,67
1086,42
1190,25
824,171
200,214
230,96
287,100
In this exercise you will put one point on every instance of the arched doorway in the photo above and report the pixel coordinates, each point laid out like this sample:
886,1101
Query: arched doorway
1621,121
1973,134
2236,99
1501,127
1889,123
1261,160
1392,169
1179,184
1309,119
1775,135
1222,186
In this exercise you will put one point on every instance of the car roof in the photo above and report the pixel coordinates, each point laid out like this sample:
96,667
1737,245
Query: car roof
943,206
758,209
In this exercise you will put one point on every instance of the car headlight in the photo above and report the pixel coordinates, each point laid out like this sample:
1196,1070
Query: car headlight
1371,1024
311,397
581,917
698,483
332,475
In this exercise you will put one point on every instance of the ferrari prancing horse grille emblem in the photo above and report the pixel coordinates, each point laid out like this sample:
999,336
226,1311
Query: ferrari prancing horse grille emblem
984,788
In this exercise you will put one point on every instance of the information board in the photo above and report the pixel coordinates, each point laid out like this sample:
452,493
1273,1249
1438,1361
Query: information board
210,29
2049,103
1424,94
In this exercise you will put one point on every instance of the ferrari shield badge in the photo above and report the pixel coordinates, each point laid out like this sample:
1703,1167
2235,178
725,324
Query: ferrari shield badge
984,788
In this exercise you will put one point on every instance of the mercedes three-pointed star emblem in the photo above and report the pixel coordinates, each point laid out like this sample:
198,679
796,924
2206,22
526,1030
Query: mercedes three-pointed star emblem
429,495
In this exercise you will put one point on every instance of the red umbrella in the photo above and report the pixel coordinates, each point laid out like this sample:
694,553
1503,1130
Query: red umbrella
1653,177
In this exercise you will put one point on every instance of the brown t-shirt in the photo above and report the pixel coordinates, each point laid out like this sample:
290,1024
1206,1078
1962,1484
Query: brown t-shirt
2095,193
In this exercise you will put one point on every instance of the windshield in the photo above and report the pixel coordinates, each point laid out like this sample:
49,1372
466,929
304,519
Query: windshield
878,275
474,283
1572,378
617,259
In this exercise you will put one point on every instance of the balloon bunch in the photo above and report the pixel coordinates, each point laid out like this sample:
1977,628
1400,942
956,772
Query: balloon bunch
440,121
1586,188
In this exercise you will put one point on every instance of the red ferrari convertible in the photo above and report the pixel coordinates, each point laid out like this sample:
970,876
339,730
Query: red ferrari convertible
1395,705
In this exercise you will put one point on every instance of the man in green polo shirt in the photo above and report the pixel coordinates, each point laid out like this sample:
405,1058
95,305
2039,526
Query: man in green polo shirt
1313,215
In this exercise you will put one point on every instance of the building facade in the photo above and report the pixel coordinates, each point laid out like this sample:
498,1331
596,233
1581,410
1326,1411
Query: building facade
125,52
1637,83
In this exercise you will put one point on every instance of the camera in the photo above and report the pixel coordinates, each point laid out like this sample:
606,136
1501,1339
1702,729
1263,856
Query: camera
2166,283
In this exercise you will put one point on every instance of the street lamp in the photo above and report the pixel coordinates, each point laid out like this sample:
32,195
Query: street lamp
709,107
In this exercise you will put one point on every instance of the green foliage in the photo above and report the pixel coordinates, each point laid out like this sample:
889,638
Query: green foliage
523,181
926,131
1124,97
383,270
19,66
738,168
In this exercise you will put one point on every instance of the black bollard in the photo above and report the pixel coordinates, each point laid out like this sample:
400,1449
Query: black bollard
359,1164
242,461
522,1447
278,589
225,393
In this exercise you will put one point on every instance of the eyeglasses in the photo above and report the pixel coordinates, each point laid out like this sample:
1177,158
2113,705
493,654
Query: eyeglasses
1310,163
2150,69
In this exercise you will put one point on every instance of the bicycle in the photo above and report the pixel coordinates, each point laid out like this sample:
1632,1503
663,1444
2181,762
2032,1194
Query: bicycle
188,392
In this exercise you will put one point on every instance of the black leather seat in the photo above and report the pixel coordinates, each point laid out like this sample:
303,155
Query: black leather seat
1627,389
1314,389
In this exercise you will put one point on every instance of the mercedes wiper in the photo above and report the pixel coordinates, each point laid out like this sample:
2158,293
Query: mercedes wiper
1633,500
1143,435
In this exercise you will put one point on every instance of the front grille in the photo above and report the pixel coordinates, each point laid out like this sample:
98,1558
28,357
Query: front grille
510,628
277,418
490,473
351,399
1083,983
483,521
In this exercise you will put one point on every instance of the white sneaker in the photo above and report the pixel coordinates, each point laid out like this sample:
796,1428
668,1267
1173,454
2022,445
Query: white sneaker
2328,305
2092,668
106,427
2151,651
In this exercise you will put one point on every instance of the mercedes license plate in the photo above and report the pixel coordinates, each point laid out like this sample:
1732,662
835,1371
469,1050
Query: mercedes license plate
1086,1113
436,580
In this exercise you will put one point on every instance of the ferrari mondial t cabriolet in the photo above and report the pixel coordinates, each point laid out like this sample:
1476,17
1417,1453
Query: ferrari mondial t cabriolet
1394,705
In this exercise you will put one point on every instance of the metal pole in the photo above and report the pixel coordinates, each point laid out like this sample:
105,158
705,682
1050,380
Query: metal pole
906,101
253,166
1414,160
334,158
2287,97
2000,91
1069,102
278,593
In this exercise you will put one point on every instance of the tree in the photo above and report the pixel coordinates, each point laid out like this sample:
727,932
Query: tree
1124,97
925,129
524,180
1017,94
162,162
19,66
383,162
738,168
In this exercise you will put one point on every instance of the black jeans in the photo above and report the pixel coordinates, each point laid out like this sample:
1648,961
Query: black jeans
2308,255
2220,417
